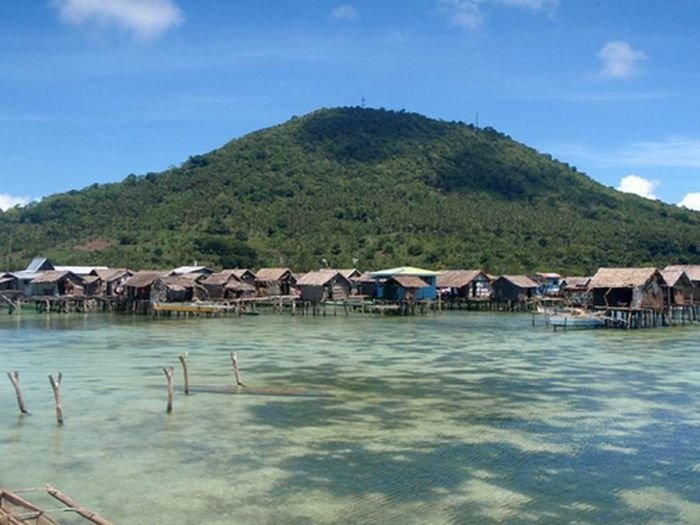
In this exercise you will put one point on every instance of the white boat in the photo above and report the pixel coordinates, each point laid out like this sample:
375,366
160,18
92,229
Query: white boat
576,319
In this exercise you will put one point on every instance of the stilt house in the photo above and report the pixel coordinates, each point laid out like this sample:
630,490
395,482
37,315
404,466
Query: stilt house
405,283
637,288
177,288
113,280
678,288
324,285
693,273
56,283
245,276
575,290
274,281
515,288
464,284
226,284
138,286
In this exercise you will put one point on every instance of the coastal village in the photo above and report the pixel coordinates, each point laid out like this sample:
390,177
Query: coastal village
612,297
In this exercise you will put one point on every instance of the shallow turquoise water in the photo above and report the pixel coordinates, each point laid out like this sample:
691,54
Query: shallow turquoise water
457,418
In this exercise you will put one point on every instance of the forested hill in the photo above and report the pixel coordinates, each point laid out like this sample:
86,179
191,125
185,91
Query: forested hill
358,187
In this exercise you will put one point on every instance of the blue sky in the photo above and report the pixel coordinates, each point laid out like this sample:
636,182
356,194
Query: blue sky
93,90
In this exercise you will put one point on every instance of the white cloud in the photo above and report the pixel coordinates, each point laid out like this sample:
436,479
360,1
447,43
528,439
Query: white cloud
532,5
691,201
638,185
9,201
619,59
344,12
469,14
463,13
144,18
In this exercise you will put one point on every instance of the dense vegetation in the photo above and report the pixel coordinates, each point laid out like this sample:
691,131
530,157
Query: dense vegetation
358,187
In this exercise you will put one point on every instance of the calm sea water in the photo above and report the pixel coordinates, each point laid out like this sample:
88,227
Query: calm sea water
456,418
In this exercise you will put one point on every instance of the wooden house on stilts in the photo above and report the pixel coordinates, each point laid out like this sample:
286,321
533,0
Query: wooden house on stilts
634,296
324,285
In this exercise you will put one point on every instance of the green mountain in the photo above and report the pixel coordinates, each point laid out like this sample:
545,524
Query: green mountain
358,187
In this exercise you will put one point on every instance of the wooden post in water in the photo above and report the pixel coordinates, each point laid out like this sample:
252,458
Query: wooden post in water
183,360
169,370
14,379
56,386
236,369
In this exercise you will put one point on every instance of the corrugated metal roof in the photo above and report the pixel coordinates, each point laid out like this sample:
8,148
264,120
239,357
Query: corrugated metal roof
548,275
80,270
623,277
404,270
190,269
36,264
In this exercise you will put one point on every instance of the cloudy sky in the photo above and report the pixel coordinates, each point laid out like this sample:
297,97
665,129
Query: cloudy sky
93,90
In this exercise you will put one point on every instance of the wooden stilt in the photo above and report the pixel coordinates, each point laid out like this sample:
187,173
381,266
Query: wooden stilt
76,507
56,386
169,370
14,379
236,369
183,360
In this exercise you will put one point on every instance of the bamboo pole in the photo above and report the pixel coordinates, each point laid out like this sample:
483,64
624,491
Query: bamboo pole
169,370
183,360
236,369
14,379
76,507
56,386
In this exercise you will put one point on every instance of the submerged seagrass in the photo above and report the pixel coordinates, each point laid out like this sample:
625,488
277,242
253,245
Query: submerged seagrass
456,418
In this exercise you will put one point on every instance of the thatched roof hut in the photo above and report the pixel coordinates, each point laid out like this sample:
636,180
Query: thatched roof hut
628,288
54,282
226,283
113,280
275,281
466,284
244,275
692,270
575,283
176,288
679,287
514,288
235,288
324,285
349,273
138,286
